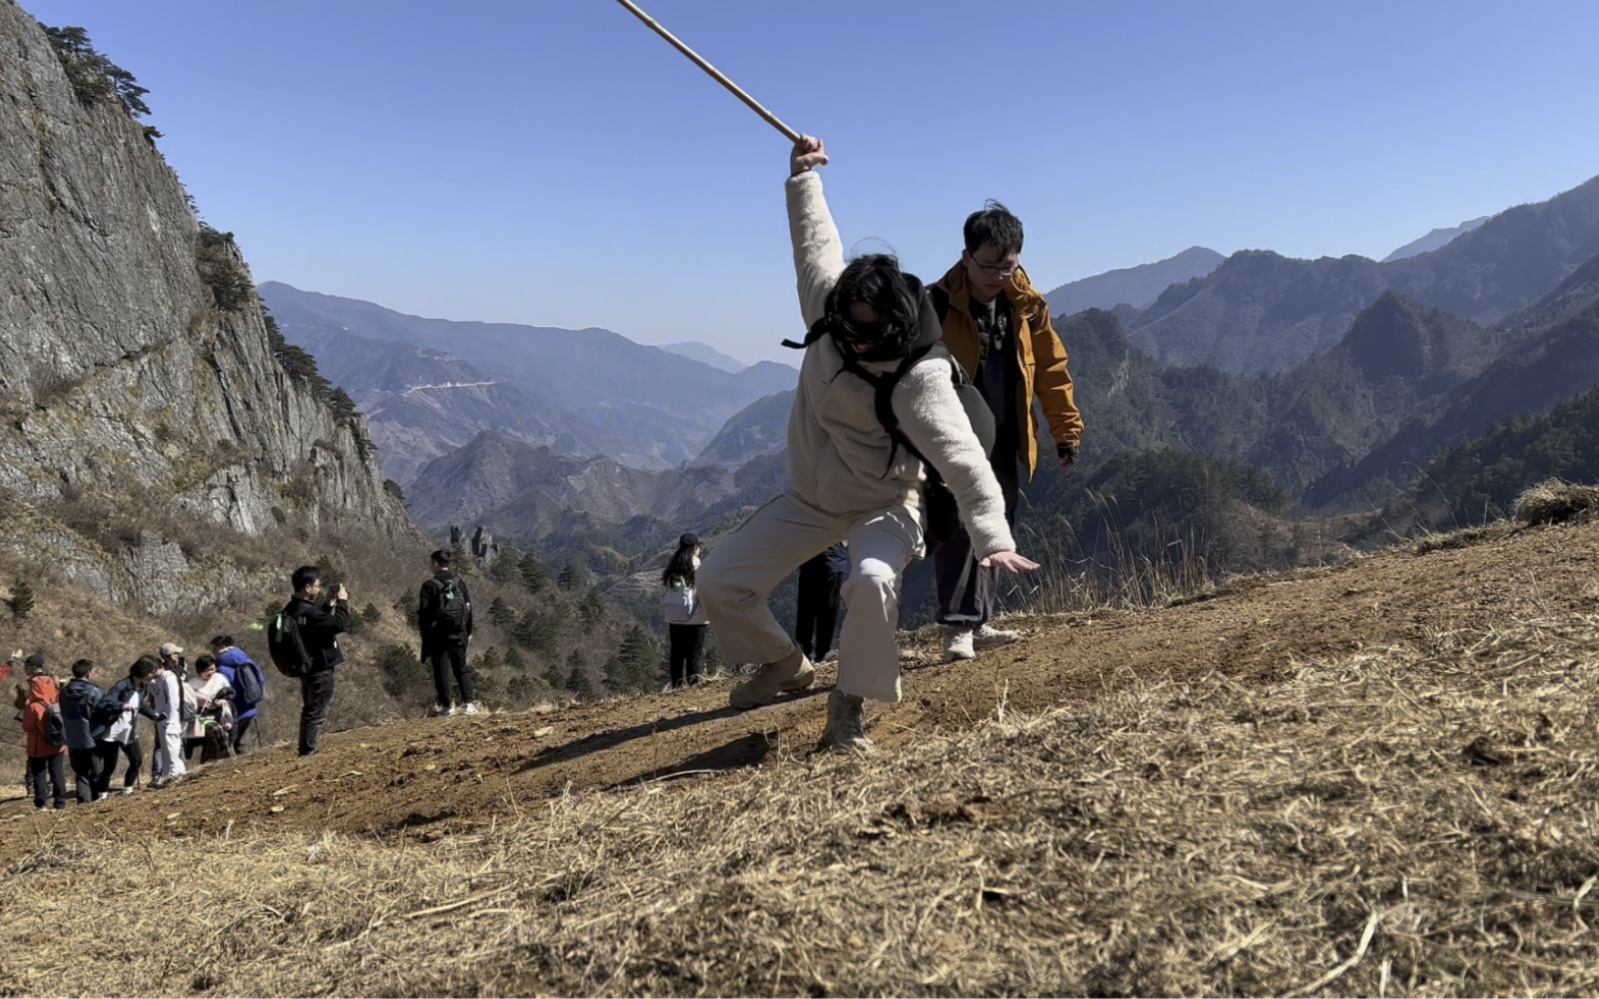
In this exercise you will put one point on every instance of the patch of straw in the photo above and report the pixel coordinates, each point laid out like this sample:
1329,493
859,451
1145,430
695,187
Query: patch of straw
1408,820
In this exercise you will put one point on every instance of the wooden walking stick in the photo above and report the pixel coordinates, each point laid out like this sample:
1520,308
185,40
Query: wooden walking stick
716,74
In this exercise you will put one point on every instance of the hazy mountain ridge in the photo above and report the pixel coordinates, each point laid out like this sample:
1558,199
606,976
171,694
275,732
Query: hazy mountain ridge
585,391
1262,312
1136,286
1434,239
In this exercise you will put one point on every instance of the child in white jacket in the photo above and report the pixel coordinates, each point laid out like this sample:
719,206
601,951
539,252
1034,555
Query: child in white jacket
848,479
685,614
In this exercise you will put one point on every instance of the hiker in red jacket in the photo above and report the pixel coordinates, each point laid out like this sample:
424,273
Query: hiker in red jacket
45,757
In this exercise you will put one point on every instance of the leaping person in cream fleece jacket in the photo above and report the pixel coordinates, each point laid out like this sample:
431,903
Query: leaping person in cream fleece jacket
847,478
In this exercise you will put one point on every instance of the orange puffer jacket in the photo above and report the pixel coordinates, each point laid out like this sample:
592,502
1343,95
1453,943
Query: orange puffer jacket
1039,354
43,691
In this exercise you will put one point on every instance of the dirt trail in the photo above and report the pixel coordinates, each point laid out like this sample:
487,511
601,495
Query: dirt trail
429,777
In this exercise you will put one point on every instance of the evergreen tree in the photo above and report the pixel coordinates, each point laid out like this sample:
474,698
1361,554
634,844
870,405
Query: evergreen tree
592,610
514,660
640,661
371,613
577,681
21,599
572,576
501,613
507,567
331,577
534,577
461,560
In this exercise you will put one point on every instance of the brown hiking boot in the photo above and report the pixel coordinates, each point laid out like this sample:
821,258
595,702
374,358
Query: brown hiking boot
846,724
792,672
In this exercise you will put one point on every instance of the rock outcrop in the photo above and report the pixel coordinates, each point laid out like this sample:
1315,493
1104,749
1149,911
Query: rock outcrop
136,368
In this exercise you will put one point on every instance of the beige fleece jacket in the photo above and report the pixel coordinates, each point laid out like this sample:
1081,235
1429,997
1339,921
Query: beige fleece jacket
838,451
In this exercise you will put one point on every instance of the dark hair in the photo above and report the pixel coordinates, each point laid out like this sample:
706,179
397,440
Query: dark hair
994,224
143,667
681,565
876,280
203,663
304,576
35,663
82,668
222,642
441,557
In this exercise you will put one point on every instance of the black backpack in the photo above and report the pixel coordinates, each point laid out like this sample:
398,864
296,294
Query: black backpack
55,726
248,683
453,608
286,646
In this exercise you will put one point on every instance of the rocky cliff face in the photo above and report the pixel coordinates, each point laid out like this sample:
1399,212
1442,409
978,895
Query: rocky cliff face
127,379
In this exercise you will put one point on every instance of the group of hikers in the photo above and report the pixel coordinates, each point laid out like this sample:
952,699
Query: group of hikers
912,422
208,707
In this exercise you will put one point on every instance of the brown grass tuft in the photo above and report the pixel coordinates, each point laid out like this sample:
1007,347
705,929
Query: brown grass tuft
1555,502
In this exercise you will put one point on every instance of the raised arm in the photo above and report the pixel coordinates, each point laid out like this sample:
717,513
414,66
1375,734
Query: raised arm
818,251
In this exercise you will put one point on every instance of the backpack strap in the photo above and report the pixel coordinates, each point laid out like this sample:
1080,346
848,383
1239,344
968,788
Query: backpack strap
883,386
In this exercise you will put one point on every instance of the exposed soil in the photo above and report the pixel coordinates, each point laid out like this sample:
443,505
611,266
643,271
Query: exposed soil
433,776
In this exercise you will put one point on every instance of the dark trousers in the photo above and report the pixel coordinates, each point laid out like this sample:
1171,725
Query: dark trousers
105,766
55,767
816,617
241,726
967,591
687,652
316,697
135,754
448,659
85,773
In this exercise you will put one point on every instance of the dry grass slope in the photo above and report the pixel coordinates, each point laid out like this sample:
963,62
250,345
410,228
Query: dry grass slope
1419,819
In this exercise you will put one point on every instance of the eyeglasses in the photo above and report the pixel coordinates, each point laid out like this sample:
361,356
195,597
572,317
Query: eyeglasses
1004,270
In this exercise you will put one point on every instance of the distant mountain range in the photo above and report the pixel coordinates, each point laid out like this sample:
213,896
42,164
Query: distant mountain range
429,385
1136,286
705,354
1433,240
1261,312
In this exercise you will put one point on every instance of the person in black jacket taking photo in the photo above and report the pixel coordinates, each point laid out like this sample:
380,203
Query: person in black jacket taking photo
319,626
444,616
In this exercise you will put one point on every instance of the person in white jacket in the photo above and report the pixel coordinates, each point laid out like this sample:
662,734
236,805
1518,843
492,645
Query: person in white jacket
685,613
166,698
848,479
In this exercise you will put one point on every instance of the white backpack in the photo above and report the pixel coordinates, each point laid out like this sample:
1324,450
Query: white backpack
679,604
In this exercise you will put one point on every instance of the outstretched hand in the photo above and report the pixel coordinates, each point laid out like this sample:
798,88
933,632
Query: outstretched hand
1009,562
809,152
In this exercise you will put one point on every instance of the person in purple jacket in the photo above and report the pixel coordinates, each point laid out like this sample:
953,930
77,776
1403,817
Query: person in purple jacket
231,661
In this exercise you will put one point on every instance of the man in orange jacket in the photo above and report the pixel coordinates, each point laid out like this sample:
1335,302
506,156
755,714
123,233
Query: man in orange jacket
997,326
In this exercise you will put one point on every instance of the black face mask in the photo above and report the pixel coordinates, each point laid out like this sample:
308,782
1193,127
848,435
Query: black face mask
884,341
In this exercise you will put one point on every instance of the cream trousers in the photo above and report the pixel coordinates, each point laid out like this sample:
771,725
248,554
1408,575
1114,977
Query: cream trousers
740,573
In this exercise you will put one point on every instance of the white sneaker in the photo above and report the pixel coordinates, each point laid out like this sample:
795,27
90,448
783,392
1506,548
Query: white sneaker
998,636
960,644
470,709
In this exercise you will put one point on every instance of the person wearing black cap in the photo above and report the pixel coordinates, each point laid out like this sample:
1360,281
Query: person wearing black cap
685,616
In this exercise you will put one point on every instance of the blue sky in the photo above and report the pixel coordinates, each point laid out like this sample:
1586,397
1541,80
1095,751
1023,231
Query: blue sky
553,162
